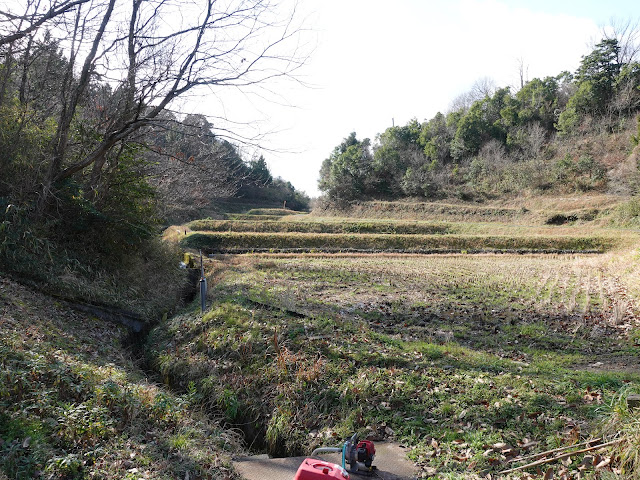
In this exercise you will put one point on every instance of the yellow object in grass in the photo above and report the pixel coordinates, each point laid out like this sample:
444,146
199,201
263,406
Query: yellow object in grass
188,260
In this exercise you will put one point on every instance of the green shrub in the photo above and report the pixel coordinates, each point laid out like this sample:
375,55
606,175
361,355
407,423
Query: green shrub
635,139
627,214
583,174
23,245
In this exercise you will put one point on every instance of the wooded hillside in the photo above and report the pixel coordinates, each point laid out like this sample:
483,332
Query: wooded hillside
570,132
94,156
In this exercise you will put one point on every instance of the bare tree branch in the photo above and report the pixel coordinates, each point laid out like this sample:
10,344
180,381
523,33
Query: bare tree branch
126,65
55,11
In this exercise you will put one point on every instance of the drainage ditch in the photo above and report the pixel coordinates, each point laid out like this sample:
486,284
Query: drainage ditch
253,429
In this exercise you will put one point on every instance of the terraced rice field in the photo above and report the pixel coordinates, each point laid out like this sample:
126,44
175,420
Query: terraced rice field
476,362
266,234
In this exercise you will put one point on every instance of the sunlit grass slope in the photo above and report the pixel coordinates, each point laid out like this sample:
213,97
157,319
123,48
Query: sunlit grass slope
73,403
448,354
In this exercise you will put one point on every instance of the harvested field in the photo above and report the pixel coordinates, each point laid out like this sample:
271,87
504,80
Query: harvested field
449,354
476,362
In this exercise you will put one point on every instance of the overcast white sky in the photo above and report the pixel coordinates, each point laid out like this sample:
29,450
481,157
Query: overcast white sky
378,60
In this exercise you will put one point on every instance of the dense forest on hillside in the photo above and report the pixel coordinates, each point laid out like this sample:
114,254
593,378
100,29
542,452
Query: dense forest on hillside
93,159
191,169
564,133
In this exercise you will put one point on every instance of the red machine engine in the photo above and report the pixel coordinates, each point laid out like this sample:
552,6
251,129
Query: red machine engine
312,469
365,452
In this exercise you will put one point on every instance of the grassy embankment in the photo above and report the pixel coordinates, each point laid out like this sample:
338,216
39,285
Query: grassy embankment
474,361
74,404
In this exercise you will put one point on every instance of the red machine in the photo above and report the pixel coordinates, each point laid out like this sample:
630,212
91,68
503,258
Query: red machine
358,455
312,469
364,453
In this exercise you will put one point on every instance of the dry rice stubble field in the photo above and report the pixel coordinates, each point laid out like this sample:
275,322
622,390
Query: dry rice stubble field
452,354
502,303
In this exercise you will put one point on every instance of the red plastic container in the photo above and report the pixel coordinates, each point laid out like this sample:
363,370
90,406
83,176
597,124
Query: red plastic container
312,469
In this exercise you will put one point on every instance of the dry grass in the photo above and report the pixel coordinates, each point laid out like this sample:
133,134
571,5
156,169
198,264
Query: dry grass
213,242
74,403
408,210
528,210
566,203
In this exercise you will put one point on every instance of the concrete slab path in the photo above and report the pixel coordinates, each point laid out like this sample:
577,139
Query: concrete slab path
391,462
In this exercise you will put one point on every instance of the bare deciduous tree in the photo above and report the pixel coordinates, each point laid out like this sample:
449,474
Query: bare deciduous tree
18,25
627,34
189,166
481,88
129,61
523,72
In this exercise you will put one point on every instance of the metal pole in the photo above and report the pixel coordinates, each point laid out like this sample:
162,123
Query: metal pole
203,286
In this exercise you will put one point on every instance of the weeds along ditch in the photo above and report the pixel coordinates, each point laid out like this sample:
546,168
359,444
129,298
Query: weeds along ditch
74,403
470,360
